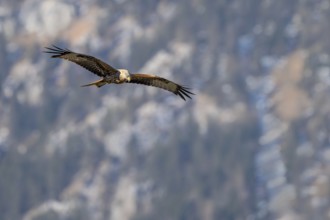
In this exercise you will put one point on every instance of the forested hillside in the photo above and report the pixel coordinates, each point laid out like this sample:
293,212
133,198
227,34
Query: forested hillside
253,143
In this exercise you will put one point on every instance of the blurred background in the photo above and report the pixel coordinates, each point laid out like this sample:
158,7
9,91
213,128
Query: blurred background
253,143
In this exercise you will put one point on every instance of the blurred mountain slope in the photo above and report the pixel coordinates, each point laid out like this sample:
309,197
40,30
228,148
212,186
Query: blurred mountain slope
251,144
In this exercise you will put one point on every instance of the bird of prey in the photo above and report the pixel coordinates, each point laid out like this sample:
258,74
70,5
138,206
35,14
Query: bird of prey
110,75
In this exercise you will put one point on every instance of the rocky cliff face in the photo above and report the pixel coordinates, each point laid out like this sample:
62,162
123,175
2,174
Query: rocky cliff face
252,144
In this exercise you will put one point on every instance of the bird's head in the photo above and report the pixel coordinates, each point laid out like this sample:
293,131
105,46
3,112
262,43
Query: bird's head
124,75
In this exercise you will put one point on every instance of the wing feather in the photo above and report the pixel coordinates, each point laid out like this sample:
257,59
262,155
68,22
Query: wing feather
90,63
152,80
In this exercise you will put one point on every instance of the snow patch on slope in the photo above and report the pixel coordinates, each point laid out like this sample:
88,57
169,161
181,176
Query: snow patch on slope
46,18
24,83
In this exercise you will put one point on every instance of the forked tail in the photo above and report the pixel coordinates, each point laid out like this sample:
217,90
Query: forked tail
97,83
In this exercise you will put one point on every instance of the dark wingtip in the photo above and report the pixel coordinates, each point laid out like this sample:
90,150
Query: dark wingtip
184,92
56,51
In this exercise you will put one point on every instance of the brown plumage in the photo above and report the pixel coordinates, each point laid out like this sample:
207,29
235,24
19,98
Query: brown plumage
90,63
111,75
152,80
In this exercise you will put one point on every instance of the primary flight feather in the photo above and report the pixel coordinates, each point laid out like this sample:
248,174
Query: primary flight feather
110,75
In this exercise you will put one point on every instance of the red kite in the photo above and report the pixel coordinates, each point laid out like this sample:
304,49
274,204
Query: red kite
110,75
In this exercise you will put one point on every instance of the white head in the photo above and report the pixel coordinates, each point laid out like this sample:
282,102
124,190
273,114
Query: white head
124,75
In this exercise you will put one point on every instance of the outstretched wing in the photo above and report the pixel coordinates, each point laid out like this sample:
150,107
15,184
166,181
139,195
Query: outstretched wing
151,80
90,63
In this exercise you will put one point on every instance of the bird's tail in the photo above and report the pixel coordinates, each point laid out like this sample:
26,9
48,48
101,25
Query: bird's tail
97,83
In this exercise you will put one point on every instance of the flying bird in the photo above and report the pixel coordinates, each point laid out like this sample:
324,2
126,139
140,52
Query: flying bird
110,74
